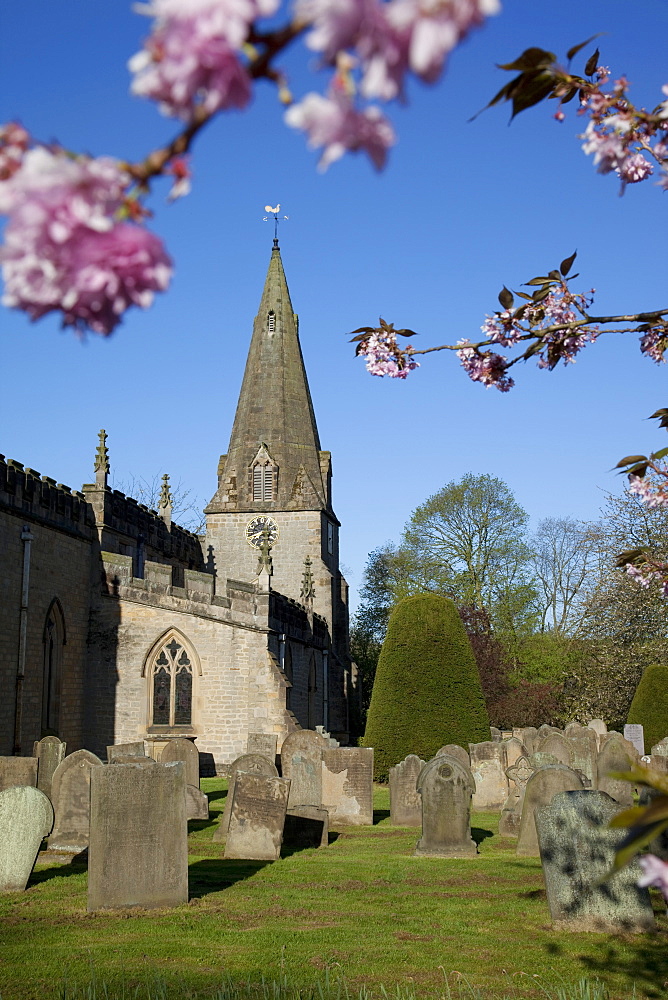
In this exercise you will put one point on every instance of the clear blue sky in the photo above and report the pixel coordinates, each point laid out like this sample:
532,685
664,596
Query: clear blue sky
461,209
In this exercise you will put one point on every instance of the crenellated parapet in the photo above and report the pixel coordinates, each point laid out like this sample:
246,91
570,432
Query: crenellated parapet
29,495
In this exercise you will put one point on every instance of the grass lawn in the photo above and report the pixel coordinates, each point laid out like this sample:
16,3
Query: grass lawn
362,908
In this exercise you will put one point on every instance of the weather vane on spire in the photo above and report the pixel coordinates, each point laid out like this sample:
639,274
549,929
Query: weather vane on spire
274,212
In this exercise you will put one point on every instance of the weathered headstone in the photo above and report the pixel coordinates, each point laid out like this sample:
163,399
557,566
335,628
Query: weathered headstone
50,751
514,750
135,749
528,735
658,761
405,801
598,726
572,728
70,794
545,730
577,849
137,759
347,785
495,734
18,771
454,750
26,817
185,750
446,787
557,745
511,814
616,755
263,743
634,733
660,748
540,790
257,817
538,760
488,767
251,763
304,769
197,803
584,755
306,826
302,739
138,853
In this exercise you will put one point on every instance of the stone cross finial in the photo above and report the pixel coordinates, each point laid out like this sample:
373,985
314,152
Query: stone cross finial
102,460
264,562
165,502
308,584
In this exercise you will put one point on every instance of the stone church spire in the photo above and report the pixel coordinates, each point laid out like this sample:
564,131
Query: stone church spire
274,461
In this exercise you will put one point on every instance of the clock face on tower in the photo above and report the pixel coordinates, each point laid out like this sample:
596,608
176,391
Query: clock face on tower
255,530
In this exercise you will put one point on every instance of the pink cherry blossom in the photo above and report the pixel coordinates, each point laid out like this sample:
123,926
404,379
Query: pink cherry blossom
655,872
14,142
650,494
334,123
653,343
385,357
485,366
192,57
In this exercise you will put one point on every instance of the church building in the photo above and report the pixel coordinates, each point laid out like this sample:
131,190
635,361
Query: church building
118,625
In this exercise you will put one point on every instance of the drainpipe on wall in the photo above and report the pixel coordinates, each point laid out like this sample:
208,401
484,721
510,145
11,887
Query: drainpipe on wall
26,538
325,693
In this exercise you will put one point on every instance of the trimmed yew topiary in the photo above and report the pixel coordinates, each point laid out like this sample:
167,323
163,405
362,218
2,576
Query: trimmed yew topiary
427,691
650,704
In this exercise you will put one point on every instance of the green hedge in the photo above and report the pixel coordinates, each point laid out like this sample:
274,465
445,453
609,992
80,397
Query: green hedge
427,689
650,704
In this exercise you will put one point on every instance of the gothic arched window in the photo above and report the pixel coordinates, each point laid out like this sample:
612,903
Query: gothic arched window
54,640
170,676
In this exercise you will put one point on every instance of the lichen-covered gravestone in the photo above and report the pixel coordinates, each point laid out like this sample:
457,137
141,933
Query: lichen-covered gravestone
347,785
138,853
257,817
511,814
136,749
577,849
185,750
454,750
18,771
660,749
488,767
26,817
305,775
584,754
197,803
405,800
251,763
540,790
514,750
262,743
446,787
50,752
70,794
616,755
559,746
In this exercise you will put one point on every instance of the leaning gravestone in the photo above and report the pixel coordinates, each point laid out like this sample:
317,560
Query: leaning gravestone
251,763
446,787
262,743
511,814
577,851
70,794
347,785
488,767
540,790
306,826
257,817
26,817
185,750
304,770
634,733
454,750
197,803
18,771
405,800
616,755
50,751
135,749
138,853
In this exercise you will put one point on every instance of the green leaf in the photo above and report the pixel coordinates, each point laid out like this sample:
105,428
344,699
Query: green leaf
592,63
629,817
506,298
635,842
630,460
555,275
567,264
363,329
661,453
405,332
663,412
532,58
523,295
569,95
577,48
641,775
655,812
538,281
533,89
541,293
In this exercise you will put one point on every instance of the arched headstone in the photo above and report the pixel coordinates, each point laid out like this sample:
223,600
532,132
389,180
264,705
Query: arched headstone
405,801
251,763
26,817
446,787
185,750
70,794
50,751
540,790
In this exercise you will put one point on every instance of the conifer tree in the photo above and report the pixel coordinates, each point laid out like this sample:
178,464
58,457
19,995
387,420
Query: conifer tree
427,689
649,707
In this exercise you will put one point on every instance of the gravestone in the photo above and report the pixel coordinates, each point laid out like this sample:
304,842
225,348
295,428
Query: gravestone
301,739
514,750
257,817
544,731
584,755
185,750
347,785
135,749
446,787
528,735
633,732
50,751
577,851
597,726
454,750
511,814
306,826
405,800
495,734
660,748
70,794
137,759
557,745
616,755
138,852
304,770
540,790
251,763
572,728
658,761
538,760
197,803
488,767
18,771
263,743
26,817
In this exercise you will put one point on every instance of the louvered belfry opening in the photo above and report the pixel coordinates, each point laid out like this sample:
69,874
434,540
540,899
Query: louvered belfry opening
263,482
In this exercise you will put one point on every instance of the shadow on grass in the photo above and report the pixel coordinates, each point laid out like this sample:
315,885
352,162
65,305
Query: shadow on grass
478,834
642,962
379,815
213,875
76,866
212,796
